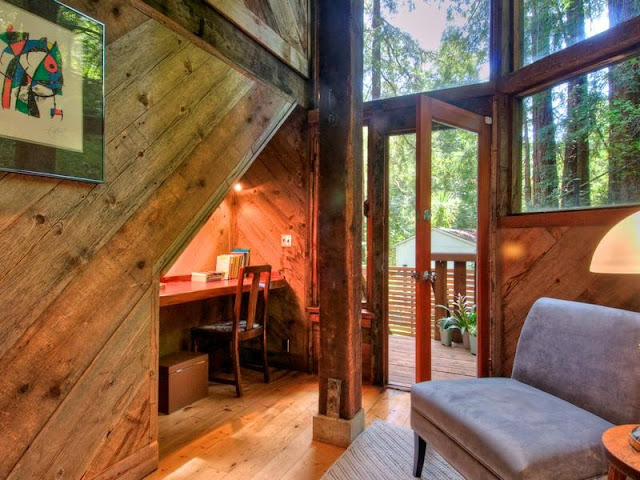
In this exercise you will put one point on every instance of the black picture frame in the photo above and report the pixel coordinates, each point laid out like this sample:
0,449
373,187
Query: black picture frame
36,136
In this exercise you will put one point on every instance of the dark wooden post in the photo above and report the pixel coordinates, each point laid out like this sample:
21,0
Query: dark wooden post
459,278
377,274
340,28
440,294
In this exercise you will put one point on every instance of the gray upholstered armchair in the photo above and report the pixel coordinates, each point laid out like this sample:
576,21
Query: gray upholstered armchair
576,372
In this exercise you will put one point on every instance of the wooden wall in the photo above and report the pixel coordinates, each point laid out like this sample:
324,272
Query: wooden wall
278,25
553,260
274,201
79,262
213,239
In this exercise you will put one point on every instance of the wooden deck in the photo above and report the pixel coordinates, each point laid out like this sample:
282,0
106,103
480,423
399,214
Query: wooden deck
447,362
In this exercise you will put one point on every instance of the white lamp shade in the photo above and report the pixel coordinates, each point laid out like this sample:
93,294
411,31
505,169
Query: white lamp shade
619,249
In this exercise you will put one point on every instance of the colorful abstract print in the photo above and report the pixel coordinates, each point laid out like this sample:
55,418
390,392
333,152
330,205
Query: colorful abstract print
32,71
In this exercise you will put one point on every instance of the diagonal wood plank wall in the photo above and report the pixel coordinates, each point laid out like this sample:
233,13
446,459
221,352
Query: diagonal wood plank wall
79,262
278,25
553,261
275,201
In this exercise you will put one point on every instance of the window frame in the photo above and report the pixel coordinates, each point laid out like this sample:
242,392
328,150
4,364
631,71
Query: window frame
612,46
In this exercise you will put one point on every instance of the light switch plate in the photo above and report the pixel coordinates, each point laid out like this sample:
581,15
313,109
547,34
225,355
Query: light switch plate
285,240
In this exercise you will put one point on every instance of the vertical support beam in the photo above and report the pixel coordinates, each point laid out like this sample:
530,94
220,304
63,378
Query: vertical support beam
423,237
377,241
340,31
483,265
459,278
441,293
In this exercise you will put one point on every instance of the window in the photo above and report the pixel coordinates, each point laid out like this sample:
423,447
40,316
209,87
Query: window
581,142
415,46
550,26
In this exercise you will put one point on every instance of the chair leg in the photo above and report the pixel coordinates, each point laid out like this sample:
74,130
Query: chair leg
419,450
264,357
235,355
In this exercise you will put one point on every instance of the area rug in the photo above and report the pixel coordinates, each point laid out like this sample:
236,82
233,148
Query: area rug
385,452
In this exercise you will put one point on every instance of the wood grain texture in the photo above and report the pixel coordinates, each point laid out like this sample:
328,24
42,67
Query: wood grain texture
278,26
79,316
211,31
340,201
622,456
553,262
377,247
274,201
264,435
613,45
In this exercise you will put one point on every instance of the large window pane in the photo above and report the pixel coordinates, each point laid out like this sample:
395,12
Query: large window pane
552,25
415,46
581,142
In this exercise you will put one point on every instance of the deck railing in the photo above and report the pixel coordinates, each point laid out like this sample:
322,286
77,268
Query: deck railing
449,282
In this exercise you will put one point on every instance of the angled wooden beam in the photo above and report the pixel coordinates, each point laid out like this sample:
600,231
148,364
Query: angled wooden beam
340,220
462,97
614,45
210,30
291,53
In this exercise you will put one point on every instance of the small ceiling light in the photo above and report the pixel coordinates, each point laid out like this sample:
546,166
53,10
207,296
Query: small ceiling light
237,187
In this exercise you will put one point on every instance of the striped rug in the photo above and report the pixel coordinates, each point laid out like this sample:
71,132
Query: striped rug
385,452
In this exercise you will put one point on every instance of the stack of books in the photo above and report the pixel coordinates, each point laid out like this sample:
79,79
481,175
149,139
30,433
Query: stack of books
208,276
231,263
245,252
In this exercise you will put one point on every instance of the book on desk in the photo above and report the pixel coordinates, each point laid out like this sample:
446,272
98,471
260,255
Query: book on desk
227,266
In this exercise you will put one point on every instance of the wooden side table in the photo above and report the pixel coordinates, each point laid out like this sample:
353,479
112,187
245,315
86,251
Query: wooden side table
624,460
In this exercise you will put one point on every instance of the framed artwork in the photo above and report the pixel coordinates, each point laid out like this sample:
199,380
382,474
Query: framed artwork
51,90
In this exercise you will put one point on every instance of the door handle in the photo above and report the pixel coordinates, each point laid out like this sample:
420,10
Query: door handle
429,276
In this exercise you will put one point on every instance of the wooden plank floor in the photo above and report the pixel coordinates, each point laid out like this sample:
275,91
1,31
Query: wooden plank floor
453,362
265,435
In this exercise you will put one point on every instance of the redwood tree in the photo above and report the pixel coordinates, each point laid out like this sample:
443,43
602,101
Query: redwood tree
624,97
575,172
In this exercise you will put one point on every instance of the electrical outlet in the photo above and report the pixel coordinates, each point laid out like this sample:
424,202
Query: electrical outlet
285,240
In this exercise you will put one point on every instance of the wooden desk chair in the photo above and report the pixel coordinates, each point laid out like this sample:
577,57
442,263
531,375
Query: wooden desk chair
241,329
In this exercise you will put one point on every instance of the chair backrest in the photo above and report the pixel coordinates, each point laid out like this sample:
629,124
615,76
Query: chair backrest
258,274
585,354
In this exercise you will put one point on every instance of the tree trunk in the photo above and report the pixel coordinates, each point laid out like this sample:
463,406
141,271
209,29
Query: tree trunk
624,95
527,158
376,52
545,174
575,172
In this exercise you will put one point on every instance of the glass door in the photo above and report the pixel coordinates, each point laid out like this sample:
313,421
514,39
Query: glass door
433,115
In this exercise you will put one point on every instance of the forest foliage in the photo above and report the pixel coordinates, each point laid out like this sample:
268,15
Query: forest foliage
580,139
396,64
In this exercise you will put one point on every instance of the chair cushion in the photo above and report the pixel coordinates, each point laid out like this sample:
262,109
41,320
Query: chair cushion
585,354
515,430
222,327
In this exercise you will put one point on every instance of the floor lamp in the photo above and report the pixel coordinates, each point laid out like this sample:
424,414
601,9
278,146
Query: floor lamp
619,252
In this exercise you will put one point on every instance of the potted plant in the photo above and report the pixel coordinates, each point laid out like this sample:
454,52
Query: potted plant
462,316
446,331
473,340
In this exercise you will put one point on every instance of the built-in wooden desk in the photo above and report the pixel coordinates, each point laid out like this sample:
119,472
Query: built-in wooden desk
182,290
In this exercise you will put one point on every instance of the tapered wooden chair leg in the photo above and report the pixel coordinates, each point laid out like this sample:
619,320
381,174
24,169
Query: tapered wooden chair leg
264,357
419,450
235,353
